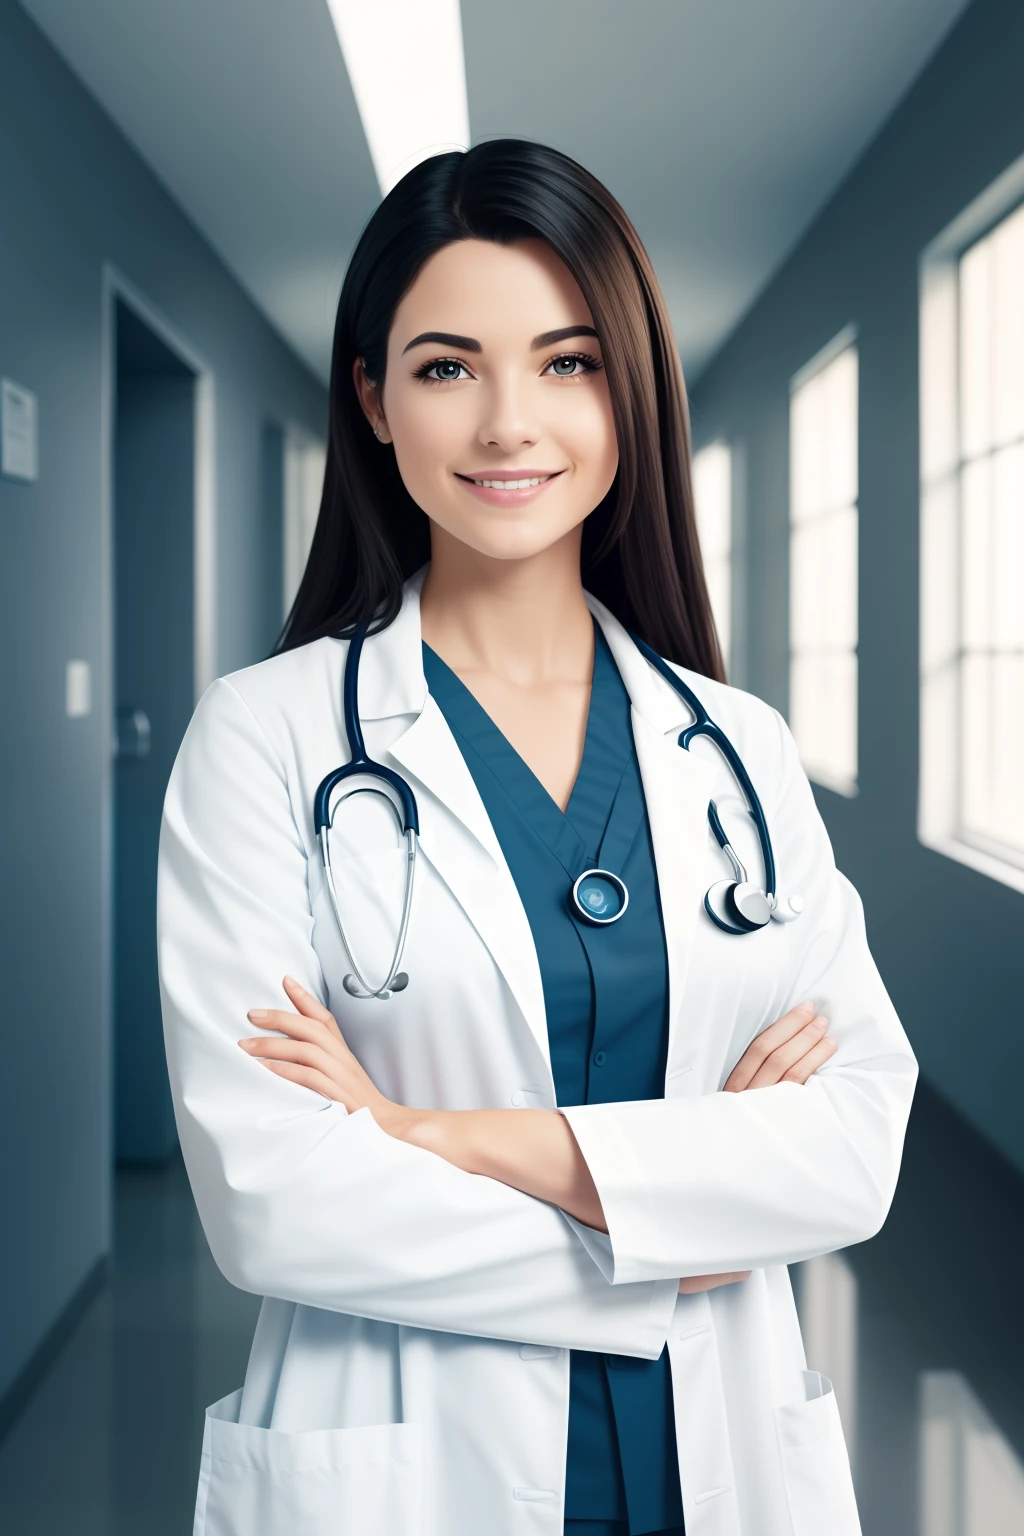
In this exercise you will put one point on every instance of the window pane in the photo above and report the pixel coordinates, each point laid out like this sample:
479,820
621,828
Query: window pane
1008,329
975,350
992,750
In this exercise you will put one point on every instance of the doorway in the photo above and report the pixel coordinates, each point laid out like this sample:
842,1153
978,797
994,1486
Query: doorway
153,505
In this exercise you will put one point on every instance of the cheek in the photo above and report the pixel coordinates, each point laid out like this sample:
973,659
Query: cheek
424,440
590,439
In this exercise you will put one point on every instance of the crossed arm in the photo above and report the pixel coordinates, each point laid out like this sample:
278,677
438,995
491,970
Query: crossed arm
534,1151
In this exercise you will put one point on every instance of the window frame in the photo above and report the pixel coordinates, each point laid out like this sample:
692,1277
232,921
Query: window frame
940,824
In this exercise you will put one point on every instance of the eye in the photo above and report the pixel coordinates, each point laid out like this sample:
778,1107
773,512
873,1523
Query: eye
571,365
444,370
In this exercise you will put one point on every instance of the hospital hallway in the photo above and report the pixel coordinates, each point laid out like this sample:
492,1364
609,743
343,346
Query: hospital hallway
921,1328
206,210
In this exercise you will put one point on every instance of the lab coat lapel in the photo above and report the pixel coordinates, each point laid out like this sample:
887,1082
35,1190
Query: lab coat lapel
677,788
456,835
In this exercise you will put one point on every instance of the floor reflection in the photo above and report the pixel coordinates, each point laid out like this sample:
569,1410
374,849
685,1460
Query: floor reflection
109,1444
919,1329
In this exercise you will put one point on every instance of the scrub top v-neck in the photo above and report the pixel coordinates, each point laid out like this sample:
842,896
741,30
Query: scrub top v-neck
606,999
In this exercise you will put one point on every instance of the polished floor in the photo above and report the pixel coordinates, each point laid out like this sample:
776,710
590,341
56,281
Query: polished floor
921,1329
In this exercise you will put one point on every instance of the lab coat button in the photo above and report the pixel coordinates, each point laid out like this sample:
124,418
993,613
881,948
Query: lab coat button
518,1098
600,1057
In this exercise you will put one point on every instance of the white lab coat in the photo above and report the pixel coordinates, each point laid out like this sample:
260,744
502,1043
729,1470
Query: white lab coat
410,1370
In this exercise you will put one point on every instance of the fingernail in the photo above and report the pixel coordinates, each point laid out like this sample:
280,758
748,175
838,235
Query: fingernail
831,1040
256,1014
246,1045
807,1004
820,1022
290,981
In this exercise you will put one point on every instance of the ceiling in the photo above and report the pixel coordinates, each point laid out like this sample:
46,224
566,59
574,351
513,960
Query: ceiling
722,127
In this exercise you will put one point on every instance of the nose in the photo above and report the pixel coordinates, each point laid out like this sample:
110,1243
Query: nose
508,421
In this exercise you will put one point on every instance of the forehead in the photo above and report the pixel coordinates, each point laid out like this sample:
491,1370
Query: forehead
490,291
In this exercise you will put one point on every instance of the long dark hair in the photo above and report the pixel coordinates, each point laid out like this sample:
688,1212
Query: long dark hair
640,551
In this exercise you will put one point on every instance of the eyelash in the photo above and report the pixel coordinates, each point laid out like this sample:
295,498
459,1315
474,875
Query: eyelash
589,364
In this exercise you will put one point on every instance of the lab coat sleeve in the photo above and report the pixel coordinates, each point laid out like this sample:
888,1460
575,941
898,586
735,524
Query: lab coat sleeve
298,1199
733,1181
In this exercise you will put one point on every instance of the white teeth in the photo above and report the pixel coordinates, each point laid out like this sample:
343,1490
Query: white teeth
512,485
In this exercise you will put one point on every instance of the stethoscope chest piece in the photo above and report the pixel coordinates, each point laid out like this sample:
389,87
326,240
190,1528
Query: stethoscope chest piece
599,897
737,906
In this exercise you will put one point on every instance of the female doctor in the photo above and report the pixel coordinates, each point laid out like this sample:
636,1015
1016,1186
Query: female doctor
521,1209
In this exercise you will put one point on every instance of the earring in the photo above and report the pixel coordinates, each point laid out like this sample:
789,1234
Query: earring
376,432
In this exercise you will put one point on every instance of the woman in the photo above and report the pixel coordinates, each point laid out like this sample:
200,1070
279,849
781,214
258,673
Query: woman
524,1259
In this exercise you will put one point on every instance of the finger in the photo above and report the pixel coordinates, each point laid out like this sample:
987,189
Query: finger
306,1003
779,1062
296,1051
760,1048
812,1061
306,1078
296,1027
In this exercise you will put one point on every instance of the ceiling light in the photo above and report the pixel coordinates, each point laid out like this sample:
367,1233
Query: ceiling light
405,62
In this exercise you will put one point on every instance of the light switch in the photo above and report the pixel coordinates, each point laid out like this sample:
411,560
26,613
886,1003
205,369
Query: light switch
19,432
78,690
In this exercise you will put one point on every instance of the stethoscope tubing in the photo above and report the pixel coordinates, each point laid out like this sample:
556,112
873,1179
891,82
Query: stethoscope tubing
406,814
703,725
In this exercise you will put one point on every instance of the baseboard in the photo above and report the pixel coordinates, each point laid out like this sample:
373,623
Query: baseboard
16,1398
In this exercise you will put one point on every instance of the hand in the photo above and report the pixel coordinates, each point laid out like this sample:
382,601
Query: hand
315,1055
788,1051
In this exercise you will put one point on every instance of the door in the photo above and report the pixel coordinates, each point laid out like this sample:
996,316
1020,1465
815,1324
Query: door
153,461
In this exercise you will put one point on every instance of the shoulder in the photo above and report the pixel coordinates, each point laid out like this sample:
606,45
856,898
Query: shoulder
745,718
274,707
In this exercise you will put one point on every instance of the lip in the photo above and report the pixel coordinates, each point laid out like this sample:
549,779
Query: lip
510,498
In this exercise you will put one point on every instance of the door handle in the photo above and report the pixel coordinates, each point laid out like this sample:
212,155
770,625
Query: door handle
132,732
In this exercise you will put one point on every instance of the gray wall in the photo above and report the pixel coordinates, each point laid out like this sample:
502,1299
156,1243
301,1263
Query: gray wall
948,940
73,195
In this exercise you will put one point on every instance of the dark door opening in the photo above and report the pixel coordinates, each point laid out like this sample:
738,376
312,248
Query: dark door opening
153,539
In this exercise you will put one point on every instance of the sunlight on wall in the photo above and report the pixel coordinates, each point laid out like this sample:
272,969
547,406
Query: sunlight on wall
972,1483
712,495
823,565
828,1321
304,460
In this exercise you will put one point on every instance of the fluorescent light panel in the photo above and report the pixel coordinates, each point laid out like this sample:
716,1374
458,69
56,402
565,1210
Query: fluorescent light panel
406,64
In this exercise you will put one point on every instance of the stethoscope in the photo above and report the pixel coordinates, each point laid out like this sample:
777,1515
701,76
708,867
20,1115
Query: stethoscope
597,896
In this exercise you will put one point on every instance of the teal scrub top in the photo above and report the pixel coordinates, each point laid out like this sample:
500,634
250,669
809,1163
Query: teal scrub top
606,998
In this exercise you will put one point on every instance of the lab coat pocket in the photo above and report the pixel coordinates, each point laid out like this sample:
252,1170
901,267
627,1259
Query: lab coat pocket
815,1466
321,1482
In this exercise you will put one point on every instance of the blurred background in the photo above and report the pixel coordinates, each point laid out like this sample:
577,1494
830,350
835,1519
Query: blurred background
833,197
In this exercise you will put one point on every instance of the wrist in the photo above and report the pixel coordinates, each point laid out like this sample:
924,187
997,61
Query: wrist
417,1127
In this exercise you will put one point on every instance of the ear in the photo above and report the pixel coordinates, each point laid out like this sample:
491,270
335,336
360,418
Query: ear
368,396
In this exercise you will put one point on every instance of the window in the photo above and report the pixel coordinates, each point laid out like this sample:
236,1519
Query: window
972,545
823,565
712,495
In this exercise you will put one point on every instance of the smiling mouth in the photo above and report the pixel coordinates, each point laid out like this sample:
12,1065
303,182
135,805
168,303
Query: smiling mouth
519,483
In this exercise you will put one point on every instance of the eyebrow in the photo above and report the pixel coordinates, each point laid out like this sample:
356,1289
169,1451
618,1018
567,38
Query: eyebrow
470,344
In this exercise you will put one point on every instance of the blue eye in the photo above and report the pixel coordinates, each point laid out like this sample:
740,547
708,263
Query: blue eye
572,364
445,370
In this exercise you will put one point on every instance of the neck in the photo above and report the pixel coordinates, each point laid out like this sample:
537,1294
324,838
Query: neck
526,621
